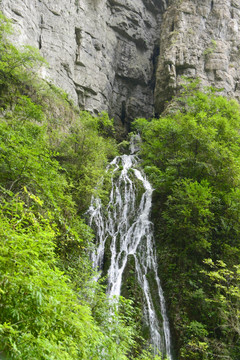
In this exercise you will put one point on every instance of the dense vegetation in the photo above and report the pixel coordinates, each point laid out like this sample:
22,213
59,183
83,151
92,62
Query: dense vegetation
192,157
51,159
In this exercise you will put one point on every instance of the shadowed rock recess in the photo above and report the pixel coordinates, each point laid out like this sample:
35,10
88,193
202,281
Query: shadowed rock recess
113,55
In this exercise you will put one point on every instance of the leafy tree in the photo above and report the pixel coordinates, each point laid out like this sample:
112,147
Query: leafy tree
188,218
84,152
225,298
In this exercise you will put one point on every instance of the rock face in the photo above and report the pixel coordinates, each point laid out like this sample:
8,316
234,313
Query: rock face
105,53
101,52
199,38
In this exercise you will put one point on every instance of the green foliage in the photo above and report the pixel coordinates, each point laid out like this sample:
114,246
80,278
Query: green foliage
34,293
188,217
16,66
211,49
26,159
192,158
200,144
226,300
84,154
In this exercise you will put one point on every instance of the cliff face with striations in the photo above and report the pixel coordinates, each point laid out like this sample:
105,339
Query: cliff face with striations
106,53
102,52
199,38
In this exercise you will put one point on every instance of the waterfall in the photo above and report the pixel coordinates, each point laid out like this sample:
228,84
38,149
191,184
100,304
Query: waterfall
126,225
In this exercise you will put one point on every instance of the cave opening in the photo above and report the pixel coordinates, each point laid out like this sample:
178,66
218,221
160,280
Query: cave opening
123,112
154,59
40,42
78,36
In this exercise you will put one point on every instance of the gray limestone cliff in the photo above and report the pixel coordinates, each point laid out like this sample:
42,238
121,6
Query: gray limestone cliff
199,38
113,55
101,52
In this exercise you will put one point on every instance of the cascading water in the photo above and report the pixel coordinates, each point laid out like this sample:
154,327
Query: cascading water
125,222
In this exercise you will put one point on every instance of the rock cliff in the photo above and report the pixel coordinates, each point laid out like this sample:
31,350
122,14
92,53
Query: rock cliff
199,38
113,55
102,52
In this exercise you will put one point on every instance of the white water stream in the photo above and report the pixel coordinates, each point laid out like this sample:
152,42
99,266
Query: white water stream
126,223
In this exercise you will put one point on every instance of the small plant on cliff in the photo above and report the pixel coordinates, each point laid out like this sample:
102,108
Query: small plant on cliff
211,49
